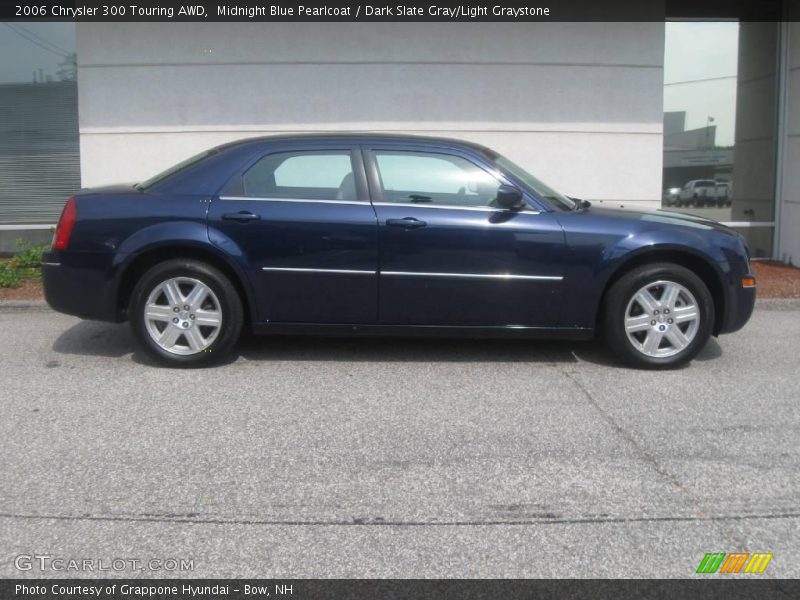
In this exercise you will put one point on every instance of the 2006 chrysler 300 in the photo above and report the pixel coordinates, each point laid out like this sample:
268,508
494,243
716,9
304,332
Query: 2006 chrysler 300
387,234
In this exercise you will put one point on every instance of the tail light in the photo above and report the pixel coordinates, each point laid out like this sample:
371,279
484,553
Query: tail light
65,225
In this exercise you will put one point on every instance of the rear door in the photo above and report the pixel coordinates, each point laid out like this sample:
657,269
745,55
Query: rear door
448,255
301,215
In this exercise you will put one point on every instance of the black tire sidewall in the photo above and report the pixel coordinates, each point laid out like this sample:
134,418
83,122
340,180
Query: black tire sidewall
230,306
619,296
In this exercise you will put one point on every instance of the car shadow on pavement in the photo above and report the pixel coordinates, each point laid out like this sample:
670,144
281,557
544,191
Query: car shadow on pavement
91,338
711,351
403,349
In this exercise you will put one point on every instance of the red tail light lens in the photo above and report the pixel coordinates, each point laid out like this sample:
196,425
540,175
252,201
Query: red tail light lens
65,224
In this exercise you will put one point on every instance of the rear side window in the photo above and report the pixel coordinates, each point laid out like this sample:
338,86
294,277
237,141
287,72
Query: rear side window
189,162
433,178
311,175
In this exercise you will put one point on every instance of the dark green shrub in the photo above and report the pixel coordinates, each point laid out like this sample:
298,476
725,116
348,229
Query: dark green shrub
29,255
9,275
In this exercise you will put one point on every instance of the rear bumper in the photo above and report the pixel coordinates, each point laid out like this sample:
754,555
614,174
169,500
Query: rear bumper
78,283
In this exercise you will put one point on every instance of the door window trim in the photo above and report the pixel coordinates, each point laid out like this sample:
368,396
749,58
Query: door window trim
489,209
298,200
356,162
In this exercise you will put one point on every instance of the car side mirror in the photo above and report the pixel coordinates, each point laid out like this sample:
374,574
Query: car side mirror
509,197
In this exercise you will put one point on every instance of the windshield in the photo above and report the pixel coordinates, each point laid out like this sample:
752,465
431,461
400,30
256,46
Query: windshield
539,188
174,169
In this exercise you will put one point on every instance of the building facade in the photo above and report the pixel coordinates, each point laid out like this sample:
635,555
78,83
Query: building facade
581,105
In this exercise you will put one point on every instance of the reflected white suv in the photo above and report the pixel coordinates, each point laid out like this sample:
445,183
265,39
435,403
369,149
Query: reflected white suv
697,192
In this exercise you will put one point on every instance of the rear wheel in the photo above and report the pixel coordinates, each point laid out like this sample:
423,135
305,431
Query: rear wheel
186,313
658,315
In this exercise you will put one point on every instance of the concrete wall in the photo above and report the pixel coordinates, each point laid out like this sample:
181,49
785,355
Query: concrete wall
579,104
789,247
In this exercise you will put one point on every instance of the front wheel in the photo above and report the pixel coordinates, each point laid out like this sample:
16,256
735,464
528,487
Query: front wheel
186,313
658,316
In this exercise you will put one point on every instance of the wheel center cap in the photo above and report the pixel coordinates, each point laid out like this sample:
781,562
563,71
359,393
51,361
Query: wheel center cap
661,318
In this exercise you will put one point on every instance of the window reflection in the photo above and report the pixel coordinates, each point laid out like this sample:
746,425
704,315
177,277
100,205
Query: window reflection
719,124
39,147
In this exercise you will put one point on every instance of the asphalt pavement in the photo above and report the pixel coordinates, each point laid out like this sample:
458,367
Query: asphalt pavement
324,457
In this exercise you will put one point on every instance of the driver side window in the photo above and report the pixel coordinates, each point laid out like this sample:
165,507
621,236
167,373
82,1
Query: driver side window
429,178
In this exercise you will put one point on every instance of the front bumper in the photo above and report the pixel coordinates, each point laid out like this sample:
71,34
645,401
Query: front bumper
740,302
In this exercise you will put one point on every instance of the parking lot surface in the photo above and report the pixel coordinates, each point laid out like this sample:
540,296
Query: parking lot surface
318,457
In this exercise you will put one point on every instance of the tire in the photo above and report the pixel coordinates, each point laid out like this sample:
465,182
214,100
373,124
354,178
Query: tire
669,337
202,335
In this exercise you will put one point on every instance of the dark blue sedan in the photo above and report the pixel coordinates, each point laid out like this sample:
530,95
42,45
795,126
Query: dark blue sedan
377,234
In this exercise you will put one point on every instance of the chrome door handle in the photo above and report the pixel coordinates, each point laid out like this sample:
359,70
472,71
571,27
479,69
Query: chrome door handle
406,223
243,216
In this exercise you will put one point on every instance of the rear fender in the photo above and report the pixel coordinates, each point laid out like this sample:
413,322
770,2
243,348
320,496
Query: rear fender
173,236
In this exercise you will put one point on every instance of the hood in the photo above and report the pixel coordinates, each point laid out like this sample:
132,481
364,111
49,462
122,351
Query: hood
663,217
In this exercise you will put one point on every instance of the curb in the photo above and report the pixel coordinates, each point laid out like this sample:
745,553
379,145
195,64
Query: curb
777,304
24,306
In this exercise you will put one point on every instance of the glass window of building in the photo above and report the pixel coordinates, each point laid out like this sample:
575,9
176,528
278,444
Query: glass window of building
720,106
39,145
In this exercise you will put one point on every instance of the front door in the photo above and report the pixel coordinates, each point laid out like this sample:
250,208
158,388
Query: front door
303,220
449,256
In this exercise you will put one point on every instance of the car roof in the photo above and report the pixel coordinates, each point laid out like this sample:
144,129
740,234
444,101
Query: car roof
355,137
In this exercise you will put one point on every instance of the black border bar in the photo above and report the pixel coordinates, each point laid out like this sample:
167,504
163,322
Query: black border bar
745,587
388,10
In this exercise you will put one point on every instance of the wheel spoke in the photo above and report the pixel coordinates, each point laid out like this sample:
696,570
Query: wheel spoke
638,323
156,312
172,292
652,342
194,338
682,314
646,301
670,295
677,338
197,296
169,336
209,318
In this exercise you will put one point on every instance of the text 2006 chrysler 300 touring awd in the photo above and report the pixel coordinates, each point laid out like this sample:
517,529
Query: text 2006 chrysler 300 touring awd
354,234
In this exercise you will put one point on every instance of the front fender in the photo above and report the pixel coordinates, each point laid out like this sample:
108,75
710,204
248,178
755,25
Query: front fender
594,259
630,246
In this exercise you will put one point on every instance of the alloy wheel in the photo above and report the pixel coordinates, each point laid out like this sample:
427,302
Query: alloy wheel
662,319
183,315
